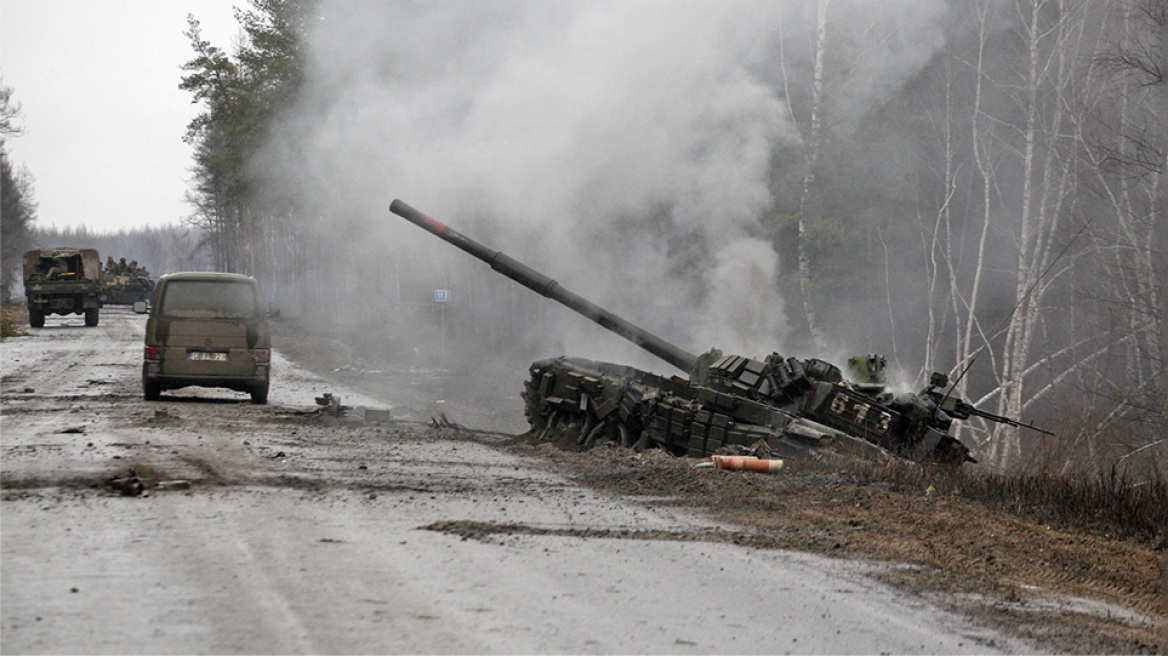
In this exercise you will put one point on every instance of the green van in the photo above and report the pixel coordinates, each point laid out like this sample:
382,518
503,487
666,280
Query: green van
210,330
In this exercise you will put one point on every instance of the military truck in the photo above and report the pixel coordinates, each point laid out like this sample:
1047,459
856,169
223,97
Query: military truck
62,281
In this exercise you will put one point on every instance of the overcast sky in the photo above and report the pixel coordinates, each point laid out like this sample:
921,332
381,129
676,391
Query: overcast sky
103,117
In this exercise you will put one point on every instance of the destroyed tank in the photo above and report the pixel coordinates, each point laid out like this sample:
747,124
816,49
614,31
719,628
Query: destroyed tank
728,403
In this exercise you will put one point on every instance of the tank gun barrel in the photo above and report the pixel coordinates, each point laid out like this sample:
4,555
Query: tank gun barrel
545,286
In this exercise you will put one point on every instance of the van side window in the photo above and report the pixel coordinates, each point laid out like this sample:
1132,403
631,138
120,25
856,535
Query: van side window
209,299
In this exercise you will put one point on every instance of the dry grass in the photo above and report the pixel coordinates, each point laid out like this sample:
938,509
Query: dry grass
13,320
1107,503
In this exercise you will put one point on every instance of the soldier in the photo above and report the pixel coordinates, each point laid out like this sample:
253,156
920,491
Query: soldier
122,266
56,270
109,264
134,270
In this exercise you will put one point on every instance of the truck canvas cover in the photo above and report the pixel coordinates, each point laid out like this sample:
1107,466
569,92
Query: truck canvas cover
71,264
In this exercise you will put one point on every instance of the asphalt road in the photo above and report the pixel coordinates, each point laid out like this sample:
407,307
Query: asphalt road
285,532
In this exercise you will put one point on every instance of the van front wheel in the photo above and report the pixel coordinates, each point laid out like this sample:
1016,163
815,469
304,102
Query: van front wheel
91,317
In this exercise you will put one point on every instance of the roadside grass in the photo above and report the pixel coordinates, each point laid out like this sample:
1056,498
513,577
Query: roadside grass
1107,502
13,320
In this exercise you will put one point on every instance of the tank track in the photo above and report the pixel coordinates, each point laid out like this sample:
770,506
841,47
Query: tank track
639,409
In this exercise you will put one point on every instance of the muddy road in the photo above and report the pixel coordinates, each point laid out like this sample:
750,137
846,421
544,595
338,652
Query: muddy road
277,529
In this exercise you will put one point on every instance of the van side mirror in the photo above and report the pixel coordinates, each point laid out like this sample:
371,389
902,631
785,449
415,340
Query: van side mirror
141,307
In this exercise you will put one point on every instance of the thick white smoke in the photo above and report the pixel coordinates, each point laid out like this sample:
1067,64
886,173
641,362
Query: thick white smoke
622,147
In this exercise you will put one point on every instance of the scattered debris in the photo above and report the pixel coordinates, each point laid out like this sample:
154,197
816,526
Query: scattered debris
372,414
442,422
747,463
331,405
163,417
129,485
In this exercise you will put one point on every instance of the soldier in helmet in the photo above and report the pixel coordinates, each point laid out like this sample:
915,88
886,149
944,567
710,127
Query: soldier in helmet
57,269
109,264
122,266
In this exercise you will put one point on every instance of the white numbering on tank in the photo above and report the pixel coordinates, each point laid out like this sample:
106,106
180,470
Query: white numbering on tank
839,405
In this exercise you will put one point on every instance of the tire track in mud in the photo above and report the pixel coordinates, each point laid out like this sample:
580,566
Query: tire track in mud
484,531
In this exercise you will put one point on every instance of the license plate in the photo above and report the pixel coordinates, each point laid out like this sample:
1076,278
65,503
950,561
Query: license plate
204,355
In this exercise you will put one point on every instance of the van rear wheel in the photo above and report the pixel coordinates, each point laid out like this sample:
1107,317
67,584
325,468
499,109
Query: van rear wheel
36,318
151,390
259,393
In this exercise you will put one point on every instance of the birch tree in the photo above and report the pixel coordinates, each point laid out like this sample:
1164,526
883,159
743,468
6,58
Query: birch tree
812,148
1126,138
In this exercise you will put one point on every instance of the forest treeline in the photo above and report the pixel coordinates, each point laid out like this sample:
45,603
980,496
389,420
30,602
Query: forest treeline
17,205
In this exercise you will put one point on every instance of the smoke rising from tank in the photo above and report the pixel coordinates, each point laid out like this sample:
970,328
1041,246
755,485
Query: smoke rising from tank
624,148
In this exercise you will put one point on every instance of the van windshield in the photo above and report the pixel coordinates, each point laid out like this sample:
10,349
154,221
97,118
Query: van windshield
209,299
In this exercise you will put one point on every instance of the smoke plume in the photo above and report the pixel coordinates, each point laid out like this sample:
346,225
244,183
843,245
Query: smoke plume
624,148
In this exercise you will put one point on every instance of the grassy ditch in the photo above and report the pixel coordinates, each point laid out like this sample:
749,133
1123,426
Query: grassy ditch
1107,503
13,320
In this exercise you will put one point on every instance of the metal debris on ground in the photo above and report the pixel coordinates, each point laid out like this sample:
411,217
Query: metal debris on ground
373,414
442,422
129,485
331,405
746,463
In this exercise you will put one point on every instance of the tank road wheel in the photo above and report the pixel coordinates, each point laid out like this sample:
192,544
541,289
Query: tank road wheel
91,317
36,318
626,437
952,453
586,429
602,429
531,403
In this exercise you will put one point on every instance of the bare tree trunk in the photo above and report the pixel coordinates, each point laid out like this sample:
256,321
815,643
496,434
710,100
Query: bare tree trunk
967,304
1006,446
932,245
813,146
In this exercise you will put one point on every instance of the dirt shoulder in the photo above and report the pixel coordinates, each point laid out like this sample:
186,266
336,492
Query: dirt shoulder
1074,591
1078,593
